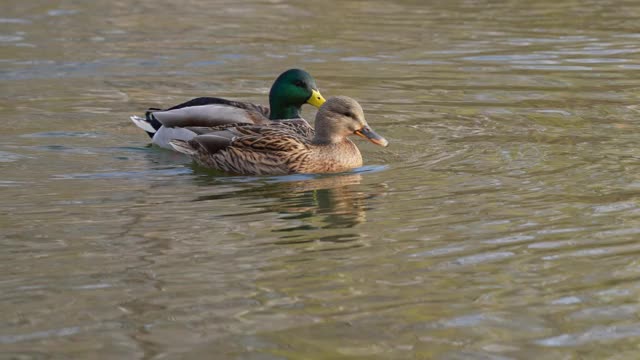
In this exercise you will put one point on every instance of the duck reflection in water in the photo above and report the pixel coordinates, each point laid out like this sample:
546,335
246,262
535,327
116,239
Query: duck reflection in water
313,202
335,199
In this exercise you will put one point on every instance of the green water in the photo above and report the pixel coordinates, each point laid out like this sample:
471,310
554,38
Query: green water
502,222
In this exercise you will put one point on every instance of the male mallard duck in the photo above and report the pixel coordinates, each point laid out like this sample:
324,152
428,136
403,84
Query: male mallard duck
289,92
273,150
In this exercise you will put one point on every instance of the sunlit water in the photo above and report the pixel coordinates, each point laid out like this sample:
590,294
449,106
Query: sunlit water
501,223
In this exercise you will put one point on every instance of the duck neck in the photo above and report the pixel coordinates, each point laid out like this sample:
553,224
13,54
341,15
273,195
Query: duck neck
325,132
282,111
321,140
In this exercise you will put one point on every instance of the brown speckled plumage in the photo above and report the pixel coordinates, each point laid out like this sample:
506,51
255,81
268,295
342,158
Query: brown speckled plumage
287,147
298,126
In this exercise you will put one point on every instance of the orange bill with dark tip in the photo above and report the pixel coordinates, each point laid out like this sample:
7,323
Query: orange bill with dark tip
372,136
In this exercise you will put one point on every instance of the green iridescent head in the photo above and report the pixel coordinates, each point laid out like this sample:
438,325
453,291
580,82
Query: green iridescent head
290,91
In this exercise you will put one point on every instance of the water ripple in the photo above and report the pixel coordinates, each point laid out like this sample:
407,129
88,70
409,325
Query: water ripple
597,334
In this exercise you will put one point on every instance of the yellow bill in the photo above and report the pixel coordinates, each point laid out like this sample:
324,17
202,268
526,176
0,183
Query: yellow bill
316,99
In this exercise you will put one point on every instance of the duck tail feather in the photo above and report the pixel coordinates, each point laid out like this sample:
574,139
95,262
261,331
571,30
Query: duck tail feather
143,124
151,119
182,147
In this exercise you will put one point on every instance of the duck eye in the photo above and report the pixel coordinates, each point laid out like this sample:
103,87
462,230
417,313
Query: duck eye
349,114
299,83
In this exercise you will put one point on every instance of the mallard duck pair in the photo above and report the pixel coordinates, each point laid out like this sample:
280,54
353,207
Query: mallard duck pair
250,139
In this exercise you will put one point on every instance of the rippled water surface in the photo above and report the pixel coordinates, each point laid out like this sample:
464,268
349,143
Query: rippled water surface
501,223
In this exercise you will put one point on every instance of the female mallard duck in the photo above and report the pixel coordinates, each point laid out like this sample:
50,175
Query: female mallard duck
289,92
274,150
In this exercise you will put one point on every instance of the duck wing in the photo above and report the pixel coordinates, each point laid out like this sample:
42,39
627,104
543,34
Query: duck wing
254,150
209,112
272,152
203,101
297,126
268,139
294,126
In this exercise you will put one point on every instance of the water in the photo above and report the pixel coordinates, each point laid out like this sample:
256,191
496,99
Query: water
501,222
